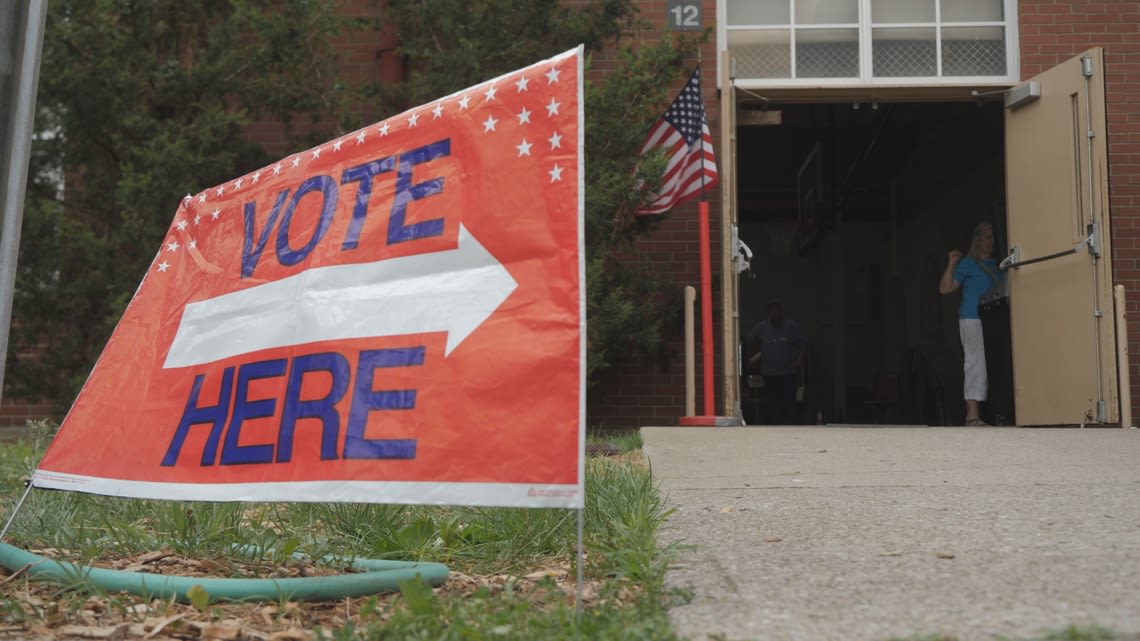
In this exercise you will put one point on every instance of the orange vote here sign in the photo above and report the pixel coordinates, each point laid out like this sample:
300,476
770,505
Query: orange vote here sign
394,316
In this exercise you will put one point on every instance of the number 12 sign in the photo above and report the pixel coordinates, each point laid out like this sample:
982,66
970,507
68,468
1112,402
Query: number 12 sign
394,316
683,16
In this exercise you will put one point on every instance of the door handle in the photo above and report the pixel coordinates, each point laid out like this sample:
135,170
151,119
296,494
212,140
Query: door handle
1092,242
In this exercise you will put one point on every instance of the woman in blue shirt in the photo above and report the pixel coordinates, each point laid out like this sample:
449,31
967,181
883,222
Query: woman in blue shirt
975,274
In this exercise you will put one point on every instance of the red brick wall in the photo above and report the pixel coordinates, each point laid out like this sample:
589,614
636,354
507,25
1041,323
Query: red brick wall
18,411
365,57
635,395
1053,31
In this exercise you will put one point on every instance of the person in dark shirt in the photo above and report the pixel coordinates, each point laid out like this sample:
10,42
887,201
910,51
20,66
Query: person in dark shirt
779,345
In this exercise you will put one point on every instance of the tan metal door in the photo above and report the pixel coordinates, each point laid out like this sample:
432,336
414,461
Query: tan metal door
730,281
1064,361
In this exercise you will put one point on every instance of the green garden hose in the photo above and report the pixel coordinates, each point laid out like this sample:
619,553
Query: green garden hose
375,576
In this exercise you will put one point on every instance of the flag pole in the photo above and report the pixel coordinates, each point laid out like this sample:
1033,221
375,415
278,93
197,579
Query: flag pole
706,305
682,133
706,280
709,418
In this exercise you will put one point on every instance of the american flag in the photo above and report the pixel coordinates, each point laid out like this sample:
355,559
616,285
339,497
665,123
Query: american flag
683,134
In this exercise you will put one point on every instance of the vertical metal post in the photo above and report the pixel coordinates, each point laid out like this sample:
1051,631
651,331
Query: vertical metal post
1122,365
581,556
706,309
15,511
839,322
18,149
690,353
1094,247
730,279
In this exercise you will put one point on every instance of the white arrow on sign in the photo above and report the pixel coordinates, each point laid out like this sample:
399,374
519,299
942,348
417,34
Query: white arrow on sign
451,291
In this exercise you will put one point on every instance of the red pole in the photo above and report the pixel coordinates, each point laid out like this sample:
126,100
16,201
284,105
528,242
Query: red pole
706,308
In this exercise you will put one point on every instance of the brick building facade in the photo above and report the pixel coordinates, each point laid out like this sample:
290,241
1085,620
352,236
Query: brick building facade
1046,33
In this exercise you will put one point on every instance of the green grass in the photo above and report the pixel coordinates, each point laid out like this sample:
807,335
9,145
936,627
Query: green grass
624,563
1072,633
424,616
626,440
1088,633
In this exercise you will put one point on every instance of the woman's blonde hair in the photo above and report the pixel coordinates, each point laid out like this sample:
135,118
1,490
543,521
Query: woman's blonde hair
979,229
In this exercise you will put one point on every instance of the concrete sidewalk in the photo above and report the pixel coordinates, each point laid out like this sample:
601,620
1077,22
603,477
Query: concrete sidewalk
859,533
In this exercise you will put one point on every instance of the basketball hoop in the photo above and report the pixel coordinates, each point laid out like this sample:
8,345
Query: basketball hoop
807,236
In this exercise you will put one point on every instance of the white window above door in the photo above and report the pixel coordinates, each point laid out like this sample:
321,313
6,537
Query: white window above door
863,42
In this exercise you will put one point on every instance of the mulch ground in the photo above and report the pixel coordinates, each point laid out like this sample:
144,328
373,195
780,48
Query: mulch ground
52,614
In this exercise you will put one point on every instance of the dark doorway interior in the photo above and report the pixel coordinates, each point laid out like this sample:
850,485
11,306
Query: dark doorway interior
850,209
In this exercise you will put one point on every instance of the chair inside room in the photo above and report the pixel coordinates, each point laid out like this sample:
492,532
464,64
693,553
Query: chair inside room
886,403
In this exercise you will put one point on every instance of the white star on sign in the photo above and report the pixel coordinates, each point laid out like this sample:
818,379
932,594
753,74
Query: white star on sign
412,121
296,161
384,129
198,219
489,124
524,116
521,84
193,244
181,225
172,246
202,197
555,140
214,214
552,108
163,266
317,153
490,94
256,176
437,112
463,102
336,144
552,76
555,174
524,148
237,183
360,138
277,169
220,191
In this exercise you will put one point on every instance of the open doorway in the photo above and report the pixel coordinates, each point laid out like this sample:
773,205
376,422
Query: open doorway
850,209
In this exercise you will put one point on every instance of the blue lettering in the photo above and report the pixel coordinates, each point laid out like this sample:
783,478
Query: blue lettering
364,174
398,231
245,409
286,255
366,400
235,407
406,192
192,415
322,409
250,255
